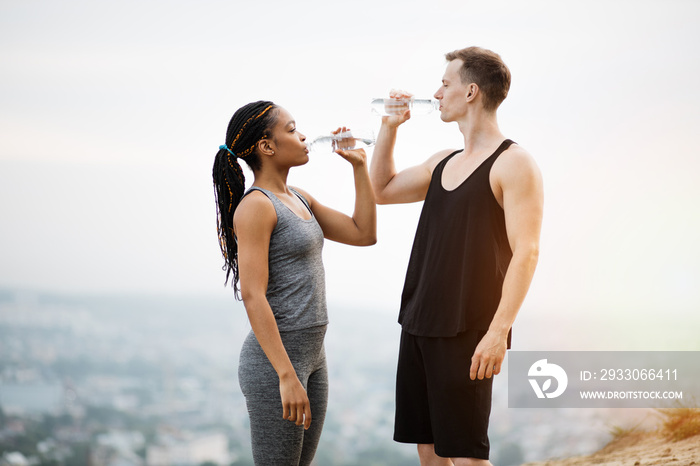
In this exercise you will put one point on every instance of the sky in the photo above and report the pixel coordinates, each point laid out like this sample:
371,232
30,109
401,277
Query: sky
111,114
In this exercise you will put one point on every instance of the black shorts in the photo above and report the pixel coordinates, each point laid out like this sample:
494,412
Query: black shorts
436,401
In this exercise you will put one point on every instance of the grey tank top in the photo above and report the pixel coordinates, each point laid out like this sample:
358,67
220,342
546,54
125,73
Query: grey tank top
296,288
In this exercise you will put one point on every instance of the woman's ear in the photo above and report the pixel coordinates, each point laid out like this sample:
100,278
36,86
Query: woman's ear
266,147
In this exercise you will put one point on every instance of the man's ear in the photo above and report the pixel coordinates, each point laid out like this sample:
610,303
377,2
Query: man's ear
472,92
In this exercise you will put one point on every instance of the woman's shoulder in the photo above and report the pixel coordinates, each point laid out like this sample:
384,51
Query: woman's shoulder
255,208
305,196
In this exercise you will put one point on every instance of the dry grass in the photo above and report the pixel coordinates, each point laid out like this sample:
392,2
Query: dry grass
680,422
675,442
677,423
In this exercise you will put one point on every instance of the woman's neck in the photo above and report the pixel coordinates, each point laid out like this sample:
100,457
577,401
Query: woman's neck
272,180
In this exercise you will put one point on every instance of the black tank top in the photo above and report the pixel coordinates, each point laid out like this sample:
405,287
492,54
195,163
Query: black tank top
459,258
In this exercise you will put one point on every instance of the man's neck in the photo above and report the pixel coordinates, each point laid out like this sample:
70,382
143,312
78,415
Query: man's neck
480,132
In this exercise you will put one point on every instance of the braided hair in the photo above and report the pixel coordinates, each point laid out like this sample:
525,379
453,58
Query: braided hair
247,127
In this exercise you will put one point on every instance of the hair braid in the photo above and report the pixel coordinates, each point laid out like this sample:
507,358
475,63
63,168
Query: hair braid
249,124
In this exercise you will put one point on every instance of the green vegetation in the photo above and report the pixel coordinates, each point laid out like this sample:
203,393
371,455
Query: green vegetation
619,432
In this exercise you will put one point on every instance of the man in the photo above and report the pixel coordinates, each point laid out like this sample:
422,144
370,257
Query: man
473,258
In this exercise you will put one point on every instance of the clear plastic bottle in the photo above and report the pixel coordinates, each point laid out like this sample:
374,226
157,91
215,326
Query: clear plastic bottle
388,106
343,140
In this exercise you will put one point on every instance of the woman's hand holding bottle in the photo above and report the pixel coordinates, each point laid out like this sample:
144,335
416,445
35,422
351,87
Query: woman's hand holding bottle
344,146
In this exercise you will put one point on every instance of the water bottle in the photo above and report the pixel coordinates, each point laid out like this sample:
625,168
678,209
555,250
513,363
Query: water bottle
343,141
388,106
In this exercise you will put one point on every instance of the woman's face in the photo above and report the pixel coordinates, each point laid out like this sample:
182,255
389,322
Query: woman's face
289,143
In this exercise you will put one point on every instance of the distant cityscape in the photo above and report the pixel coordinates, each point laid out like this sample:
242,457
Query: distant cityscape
120,381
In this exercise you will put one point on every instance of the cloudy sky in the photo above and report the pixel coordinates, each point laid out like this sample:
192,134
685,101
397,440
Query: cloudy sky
111,113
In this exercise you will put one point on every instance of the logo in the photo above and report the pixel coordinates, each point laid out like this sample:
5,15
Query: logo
547,371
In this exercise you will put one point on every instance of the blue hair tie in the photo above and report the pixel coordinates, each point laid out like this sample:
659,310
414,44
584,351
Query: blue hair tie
227,149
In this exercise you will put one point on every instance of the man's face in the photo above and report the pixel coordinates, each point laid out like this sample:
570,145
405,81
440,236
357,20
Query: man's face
452,94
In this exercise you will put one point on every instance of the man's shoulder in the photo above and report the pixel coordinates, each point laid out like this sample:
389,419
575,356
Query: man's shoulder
515,160
516,152
516,169
438,157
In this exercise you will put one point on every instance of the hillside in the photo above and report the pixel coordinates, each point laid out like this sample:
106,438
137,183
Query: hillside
676,443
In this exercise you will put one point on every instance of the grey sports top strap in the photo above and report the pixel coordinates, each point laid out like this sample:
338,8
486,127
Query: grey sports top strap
296,288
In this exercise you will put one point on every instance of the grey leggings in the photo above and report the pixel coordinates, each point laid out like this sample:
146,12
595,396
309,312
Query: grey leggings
277,441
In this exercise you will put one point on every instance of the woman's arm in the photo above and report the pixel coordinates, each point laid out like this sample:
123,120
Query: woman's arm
254,220
361,228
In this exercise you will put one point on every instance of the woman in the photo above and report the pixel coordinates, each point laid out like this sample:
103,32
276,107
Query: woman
271,239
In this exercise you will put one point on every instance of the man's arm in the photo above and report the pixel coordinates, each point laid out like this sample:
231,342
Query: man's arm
408,185
517,185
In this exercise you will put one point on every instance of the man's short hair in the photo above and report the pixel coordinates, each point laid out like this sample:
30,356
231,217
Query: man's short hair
487,70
